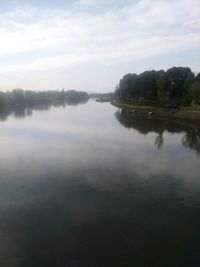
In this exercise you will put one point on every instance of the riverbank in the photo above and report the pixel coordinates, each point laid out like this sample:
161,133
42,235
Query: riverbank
186,113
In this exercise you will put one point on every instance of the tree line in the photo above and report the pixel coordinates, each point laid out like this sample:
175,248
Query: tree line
21,102
28,98
177,85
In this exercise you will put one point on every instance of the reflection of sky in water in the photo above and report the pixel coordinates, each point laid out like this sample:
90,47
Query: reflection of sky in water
87,137
81,165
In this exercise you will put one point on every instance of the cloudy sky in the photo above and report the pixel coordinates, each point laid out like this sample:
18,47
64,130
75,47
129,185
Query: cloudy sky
90,44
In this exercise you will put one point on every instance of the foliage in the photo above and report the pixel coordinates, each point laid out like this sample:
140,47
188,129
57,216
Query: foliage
176,85
21,102
198,77
195,91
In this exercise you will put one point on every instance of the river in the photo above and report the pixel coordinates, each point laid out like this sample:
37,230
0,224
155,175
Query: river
94,186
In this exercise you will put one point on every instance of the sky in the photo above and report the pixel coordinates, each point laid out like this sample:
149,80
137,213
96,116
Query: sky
90,44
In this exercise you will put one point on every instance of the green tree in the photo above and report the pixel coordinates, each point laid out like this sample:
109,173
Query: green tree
195,91
18,96
177,82
197,78
146,85
126,88
161,85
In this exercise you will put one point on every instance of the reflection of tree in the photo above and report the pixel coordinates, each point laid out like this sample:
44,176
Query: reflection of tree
159,140
192,139
4,113
29,112
19,112
21,103
145,124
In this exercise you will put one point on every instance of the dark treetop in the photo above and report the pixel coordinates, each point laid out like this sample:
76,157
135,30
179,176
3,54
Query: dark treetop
177,85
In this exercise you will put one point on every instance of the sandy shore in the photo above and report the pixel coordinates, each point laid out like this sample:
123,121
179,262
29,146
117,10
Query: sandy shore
186,113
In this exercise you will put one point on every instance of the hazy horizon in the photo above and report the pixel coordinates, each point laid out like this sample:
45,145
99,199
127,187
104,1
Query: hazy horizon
90,44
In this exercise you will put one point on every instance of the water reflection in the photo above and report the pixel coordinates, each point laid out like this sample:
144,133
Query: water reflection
192,139
23,111
68,223
78,189
145,124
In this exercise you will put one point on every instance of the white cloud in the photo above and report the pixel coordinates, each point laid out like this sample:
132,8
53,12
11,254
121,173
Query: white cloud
87,2
133,50
142,30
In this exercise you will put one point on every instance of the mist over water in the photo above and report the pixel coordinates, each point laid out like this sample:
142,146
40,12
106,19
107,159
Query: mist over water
93,186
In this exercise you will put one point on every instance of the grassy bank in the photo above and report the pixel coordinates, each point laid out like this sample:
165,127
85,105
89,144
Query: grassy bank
186,113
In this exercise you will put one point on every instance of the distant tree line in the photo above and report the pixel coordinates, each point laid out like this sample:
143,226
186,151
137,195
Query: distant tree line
27,98
21,102
177,85
101,95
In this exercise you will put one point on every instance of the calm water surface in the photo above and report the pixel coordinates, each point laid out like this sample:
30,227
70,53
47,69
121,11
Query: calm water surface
93,186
